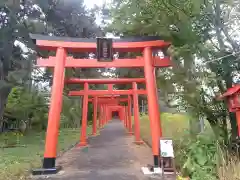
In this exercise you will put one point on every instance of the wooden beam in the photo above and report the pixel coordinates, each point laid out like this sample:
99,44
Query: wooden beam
132,44
104,81
106,92
93,63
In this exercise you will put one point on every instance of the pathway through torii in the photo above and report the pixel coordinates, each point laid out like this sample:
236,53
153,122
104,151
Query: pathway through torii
110,156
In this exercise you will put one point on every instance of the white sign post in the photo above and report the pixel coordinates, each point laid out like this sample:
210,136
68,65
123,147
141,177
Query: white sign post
167,156
166,148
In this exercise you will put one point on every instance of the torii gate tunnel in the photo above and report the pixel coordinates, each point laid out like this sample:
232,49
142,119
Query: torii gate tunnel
65,45
113,101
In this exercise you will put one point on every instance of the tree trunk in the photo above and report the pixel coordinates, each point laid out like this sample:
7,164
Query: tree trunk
227,77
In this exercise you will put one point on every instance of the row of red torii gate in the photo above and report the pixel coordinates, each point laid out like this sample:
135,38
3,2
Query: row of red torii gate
105,102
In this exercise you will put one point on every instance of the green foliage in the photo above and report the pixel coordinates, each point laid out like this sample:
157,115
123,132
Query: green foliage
200,157
195,156
71,112
28,106
199,31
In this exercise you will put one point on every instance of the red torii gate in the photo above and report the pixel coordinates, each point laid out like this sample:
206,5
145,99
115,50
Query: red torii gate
86,93
100,101
110,82
105,100
63,45
110,102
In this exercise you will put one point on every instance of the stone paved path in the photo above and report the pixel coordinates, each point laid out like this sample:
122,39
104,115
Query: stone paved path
110,156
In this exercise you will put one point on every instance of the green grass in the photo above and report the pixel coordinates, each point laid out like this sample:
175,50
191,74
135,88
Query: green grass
173,126
16,162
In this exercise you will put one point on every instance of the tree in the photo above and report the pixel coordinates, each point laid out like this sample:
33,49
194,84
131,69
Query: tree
199,32
30,107
18,18
15,63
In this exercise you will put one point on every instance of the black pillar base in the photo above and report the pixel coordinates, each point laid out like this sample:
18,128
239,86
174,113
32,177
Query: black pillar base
156,161
43,171
48,167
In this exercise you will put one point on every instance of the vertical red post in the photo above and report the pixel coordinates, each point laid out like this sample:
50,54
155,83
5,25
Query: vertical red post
54,111
94,125
106,118
130,115
126,116
104,115
121,115
153,110
109,114
83,138
100,117
110,87
238,121
136,115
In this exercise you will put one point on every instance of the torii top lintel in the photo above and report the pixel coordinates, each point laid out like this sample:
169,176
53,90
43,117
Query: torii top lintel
105,81
130,44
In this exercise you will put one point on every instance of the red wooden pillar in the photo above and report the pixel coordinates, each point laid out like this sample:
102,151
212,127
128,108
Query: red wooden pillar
104,115
121,115
103,119
125,117
94,125
50,152
101,116
83,138
108,114
238,121
153,110
130,115
136,115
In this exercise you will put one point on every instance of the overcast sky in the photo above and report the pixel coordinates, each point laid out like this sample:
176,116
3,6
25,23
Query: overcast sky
91,3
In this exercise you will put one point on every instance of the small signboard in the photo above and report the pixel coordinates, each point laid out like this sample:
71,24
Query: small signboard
104,49
166,148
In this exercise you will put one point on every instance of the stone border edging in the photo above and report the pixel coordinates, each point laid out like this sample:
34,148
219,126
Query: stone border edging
67,149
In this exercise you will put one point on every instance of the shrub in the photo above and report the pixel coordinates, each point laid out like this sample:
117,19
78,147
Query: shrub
196,156
200,156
